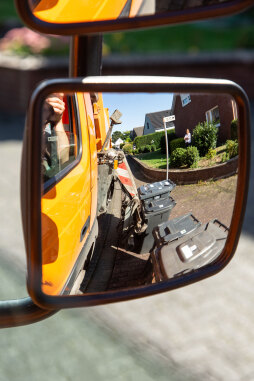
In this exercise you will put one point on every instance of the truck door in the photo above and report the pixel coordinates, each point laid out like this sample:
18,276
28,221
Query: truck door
66,203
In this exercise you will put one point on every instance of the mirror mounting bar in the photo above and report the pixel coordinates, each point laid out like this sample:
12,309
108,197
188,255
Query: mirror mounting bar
85,56
15,313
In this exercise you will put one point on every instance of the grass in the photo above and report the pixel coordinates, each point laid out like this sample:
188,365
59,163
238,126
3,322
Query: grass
154,159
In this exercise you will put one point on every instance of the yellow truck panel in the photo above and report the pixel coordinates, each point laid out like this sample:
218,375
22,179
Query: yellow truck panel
67,11
66,207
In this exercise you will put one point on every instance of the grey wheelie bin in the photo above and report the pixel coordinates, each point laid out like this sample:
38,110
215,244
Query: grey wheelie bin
189,252
155,212
155,191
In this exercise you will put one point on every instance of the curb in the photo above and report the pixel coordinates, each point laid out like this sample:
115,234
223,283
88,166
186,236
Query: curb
189,176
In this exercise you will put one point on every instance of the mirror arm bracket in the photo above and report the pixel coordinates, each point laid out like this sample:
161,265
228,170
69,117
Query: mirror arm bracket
85,60
15,313
85,56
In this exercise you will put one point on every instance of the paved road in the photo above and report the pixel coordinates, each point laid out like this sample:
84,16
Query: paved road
201,332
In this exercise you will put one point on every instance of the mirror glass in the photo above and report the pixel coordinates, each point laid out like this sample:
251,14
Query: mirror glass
67,11
112,216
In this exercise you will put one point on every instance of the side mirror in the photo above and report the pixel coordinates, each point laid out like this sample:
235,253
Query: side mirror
65,18
92,237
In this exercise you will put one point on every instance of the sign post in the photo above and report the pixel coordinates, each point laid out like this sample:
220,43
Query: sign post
166,119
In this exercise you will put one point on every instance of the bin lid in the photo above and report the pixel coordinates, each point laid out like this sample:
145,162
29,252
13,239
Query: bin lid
193,250
176,228
155,189
160,205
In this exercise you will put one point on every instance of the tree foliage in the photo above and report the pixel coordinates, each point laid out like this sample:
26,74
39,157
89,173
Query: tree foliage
116,135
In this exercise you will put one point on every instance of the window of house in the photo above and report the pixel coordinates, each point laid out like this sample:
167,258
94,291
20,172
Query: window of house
186,99
213,116
61,144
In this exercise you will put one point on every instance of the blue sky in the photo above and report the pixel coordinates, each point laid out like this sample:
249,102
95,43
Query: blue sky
134,106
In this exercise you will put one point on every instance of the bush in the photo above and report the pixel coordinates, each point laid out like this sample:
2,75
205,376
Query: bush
149,139
191,157
211,153
171,136
121,145
224,157
232,148
204,137
178,157
234,129
153,147
127,148
176,143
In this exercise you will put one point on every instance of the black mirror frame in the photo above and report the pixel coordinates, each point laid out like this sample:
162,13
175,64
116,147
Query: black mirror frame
31,190
94,27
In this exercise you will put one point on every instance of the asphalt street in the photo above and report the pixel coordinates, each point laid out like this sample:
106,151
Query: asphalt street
201,332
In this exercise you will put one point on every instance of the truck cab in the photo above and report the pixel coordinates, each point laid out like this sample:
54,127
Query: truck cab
69,201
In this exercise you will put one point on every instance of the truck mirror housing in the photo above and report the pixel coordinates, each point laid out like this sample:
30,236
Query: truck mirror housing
62,17
97,230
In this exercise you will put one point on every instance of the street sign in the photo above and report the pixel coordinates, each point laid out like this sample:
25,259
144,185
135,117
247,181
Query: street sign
169,118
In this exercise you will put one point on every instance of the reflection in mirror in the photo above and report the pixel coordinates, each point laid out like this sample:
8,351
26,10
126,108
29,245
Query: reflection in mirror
63,11
112,217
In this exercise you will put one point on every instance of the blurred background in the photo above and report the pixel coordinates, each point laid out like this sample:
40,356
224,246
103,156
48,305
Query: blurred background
201,332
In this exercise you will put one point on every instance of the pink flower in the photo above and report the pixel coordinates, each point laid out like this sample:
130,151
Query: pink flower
24,37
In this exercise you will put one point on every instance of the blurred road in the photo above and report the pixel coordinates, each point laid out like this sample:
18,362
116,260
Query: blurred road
202,332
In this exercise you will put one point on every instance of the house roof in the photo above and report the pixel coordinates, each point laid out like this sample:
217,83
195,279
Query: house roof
119,141
139,130
156,118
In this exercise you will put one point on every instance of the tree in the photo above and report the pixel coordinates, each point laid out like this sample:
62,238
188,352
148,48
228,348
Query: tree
116,135
126,135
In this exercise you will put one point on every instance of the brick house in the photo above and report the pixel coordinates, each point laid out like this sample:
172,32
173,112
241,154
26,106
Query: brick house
189,110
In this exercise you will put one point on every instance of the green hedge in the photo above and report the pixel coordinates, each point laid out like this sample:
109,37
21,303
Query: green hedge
150,139
176,143
171,136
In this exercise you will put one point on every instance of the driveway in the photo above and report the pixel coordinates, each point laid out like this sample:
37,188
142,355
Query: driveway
206,200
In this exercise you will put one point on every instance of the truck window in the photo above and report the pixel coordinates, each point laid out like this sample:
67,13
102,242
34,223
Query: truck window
60,139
